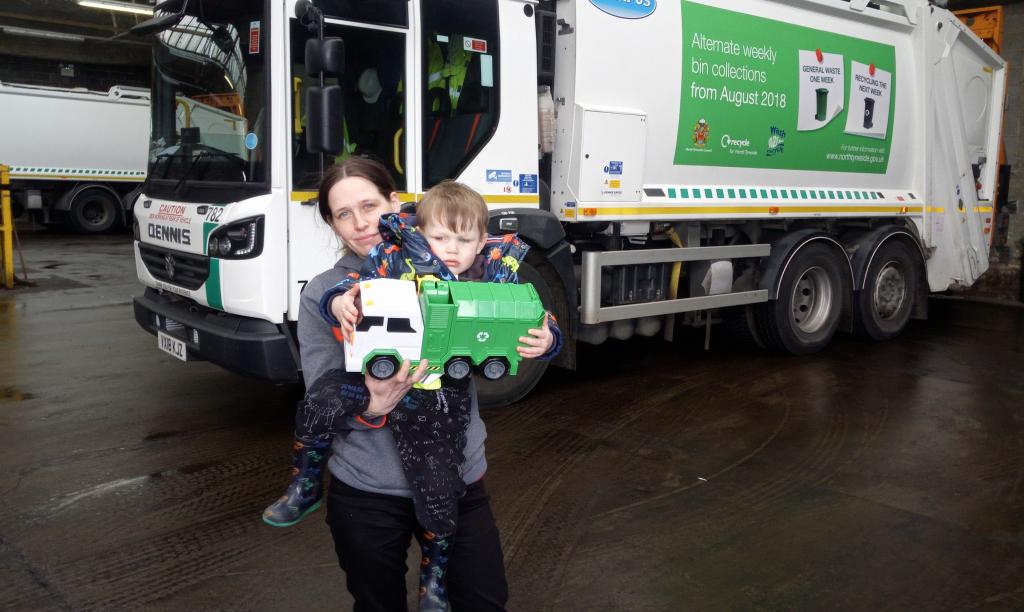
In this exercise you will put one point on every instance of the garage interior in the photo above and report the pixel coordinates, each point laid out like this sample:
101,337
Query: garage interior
871,476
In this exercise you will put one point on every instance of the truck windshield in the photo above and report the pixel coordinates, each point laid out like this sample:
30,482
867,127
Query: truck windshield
210,104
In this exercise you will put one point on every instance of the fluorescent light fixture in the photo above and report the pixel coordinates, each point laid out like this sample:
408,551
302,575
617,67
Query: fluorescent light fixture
47,34
113,5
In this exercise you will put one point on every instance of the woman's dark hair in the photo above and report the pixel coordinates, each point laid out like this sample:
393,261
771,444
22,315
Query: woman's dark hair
362,167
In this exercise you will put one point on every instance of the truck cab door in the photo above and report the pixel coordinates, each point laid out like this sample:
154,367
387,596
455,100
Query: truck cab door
377,97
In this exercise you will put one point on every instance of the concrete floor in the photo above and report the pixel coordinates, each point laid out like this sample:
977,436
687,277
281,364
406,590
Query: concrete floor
657,477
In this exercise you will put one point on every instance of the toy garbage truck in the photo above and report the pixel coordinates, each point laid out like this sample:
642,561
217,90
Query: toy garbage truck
453,325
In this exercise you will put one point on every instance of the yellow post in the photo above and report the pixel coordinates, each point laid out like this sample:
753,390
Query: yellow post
6,229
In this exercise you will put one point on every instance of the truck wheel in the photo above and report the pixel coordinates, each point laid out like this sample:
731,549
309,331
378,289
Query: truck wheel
739,324
382,367
881,310
458,368
494,368
511,389
93,211
806,313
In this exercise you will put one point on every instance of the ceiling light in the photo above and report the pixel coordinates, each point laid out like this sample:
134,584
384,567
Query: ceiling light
113,5
47,34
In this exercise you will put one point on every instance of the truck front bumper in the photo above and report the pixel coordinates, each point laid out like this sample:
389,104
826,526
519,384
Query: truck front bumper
240,344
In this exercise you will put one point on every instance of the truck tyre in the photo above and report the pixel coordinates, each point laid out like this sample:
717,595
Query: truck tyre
511,389
382,367
458,368
807,312
494,368
93,211
739,324
882,309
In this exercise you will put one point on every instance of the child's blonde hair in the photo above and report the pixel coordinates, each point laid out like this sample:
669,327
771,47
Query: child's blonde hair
454,206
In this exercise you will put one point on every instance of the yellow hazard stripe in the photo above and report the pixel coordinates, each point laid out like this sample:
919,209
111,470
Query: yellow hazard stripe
405,197
91,177
588,211
512,199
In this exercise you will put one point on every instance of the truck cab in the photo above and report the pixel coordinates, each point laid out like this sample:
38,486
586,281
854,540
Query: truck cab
226,229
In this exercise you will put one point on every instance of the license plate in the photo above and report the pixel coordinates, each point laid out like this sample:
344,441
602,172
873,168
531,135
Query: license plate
171,345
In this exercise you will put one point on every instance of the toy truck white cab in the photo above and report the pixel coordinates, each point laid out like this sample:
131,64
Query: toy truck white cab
391,328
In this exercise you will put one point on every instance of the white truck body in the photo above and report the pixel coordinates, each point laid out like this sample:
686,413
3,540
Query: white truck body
828,126
60,142
620,103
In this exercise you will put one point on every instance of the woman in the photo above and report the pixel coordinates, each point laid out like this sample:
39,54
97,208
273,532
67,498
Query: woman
369,506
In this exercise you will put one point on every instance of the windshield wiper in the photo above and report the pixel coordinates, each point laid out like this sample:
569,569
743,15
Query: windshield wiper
209,153
188,172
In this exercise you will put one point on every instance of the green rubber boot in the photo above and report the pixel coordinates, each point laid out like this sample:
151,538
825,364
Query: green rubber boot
305,492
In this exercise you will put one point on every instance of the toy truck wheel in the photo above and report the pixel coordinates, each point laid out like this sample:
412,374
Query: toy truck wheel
458,368
93,211
806,314
382,367
494,368
882,308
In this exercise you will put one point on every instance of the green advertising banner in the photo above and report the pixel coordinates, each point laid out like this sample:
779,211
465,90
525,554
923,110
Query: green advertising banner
760,93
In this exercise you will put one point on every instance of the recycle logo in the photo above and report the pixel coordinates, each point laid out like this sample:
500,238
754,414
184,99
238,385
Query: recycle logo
483,336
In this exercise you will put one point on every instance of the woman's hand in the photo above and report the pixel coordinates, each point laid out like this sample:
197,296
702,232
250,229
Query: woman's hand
347,308
538,342
385,394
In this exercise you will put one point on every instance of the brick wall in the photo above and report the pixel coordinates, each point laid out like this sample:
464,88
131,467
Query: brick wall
98,77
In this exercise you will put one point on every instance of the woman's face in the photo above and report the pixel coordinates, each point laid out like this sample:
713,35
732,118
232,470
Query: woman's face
356,207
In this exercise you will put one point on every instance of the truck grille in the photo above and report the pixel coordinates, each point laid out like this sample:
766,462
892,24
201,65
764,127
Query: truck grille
182,269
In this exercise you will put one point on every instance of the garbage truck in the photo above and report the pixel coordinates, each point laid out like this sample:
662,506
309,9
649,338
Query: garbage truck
456,326
791,169
77,157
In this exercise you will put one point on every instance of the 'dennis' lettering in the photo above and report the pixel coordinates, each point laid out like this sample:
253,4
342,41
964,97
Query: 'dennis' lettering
170,234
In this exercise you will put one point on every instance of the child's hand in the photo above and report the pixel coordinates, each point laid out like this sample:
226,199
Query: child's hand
538,342
346,308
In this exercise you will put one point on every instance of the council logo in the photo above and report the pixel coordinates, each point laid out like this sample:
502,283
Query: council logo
701,133
776,141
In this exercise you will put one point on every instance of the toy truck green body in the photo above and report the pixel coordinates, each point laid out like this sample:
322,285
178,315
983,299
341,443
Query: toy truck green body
481,322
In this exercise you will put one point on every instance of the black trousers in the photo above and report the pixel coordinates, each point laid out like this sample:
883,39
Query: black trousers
372,533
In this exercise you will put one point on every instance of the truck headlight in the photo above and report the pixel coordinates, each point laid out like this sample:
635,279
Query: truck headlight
239,240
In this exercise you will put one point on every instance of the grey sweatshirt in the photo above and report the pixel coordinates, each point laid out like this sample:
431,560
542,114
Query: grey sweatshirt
366,458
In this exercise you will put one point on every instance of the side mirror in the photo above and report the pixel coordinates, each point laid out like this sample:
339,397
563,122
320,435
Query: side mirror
164,22
324,116
327,56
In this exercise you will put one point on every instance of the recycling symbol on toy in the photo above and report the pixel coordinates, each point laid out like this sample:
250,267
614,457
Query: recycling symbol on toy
482,336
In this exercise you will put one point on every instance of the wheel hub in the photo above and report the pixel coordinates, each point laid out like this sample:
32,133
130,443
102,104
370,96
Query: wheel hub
94,213
890,290
812,300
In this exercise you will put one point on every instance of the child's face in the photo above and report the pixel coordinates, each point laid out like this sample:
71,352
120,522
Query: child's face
456,249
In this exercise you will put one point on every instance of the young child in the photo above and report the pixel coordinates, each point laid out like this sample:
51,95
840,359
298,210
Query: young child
449,242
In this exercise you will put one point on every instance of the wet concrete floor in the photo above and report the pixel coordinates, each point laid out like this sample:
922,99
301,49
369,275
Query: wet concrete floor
657,477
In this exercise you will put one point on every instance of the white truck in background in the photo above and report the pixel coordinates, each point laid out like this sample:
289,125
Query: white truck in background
77,157
796,168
